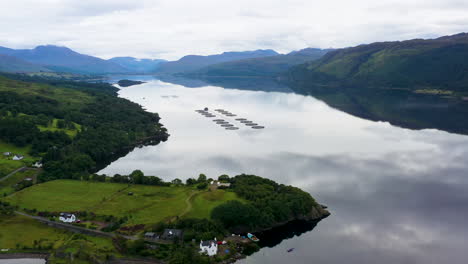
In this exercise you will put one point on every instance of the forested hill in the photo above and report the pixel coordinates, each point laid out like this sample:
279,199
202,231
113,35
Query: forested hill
74,127
195,62
414,64
269,66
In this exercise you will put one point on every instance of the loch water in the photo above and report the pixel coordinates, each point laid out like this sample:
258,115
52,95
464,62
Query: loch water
396,195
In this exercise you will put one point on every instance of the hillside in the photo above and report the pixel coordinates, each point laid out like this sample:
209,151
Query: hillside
138,65
196,62
13,64
38,115
261,67
414,64
63,59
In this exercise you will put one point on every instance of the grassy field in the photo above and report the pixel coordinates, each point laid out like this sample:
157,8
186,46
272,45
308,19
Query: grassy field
148,204
52,127
203,203
6,164
18,233
7,186
22,230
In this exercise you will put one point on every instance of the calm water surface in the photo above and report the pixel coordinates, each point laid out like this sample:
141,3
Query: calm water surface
396,195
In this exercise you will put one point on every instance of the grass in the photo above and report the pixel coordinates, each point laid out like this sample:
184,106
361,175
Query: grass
6,164
20,233
52,127
20,230
148,204
204,203
7,186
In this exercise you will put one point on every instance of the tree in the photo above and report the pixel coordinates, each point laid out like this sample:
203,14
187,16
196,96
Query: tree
190,181
137,177
223,178
177,181
201,178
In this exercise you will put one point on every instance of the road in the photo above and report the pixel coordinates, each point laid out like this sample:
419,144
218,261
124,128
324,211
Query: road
13,173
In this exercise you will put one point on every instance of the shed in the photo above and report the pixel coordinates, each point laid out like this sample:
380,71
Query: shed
172,234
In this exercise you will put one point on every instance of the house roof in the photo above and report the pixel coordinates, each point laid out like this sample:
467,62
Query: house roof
171,233
208,243
66,215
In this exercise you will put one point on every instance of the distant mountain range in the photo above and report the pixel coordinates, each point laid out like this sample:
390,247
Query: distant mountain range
192,63
138,65
63,59
440,63
14,64
269,66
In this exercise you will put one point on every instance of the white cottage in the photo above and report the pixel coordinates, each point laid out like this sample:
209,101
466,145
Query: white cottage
18,157
209,247
67,218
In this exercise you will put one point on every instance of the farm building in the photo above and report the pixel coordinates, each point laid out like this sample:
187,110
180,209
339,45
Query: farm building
209,247
172,234
67,218
6,154
18,157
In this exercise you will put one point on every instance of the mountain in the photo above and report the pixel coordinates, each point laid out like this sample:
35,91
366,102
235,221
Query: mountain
13,64
138,65
63,59
195,62
414,64
261,67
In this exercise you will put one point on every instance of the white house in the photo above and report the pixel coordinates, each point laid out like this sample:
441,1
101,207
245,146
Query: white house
38,164
222,184
67,218
209,247
18,157
6,153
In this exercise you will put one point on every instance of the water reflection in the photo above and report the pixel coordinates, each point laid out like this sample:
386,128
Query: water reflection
396,195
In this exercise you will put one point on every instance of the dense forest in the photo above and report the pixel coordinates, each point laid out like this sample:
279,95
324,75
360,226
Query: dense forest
106,124
269,204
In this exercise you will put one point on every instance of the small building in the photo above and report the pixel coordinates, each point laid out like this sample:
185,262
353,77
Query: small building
6,154
67,218
150,235
28,179
209,247
172,234
223,184
18,157
38,164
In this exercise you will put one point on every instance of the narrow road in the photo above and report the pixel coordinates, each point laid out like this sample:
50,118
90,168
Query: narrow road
13,173
72,228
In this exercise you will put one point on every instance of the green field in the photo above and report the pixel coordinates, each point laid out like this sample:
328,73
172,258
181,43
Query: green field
148,204
22,230
203,203
6,164
52,127
7,186
19,233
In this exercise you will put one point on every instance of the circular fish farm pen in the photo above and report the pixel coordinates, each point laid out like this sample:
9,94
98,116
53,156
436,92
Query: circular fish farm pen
241,119
251,124
231,115
232,128
258,127
246,121
227,125
218,120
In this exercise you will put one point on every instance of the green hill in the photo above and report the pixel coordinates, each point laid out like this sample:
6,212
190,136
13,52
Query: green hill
13,64
414,64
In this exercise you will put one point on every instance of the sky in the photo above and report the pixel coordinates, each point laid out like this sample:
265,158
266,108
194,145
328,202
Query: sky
170,29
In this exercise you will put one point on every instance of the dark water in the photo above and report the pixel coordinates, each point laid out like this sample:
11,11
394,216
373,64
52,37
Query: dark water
396,195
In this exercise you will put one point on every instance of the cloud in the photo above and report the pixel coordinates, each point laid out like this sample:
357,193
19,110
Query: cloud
171,29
